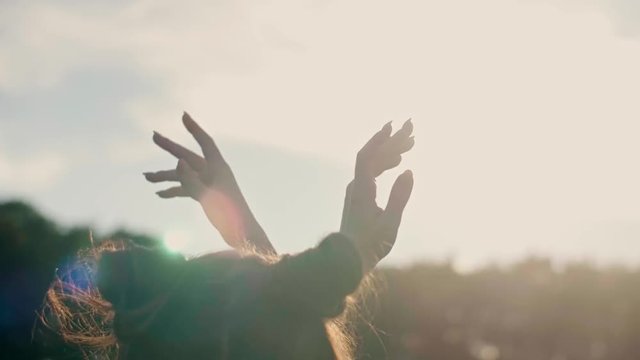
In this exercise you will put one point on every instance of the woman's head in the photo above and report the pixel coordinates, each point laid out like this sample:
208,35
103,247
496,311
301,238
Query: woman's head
226,306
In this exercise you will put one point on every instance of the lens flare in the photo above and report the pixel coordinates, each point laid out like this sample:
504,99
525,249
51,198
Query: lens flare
176,241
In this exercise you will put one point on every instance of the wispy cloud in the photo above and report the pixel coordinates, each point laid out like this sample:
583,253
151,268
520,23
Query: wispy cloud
624,14
526,111
32,174
162,37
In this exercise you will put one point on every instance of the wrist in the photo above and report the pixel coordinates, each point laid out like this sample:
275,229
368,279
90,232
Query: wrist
368,257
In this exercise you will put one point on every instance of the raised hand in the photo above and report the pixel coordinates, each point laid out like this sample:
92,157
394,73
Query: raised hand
210,181
373,229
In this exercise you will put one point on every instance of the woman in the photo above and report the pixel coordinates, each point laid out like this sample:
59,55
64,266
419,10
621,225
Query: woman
249,303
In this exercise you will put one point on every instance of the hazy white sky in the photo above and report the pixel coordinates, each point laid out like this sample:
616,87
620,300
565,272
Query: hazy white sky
526,116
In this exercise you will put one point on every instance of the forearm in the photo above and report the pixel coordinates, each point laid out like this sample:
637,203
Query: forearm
256,236
233,218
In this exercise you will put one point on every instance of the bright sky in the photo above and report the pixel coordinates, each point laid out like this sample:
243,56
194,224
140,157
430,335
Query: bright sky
526,115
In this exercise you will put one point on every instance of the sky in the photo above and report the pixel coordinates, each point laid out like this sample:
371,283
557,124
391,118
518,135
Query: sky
525,111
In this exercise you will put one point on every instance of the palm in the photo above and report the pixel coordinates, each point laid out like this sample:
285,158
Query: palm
209,180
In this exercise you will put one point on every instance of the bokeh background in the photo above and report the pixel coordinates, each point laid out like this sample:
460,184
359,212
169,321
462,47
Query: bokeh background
526,121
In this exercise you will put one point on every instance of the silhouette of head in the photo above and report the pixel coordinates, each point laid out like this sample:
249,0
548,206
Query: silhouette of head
226,306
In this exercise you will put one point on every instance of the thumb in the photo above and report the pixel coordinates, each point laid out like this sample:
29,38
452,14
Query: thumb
400,193
387,230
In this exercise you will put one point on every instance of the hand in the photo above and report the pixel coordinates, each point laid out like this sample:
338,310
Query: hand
373,229
210,181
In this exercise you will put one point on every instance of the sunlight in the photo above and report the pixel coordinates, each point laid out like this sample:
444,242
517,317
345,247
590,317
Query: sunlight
176,241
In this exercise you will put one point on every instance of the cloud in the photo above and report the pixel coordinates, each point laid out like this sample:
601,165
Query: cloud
33,174
625,14
525,113
629,12
43,41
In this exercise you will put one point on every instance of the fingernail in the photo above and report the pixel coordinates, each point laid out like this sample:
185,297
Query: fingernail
146,174
408,173
186,116
387,126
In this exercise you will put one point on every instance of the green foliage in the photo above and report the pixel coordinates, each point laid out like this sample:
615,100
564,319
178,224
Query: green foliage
32,248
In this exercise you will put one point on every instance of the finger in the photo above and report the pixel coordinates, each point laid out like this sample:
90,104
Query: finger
407,126
363,161
400,193
387,231
387,163
180,152
190,180
389,154
406,145
405,130
163,175
176,191
378,138
209,147
398,140
389,160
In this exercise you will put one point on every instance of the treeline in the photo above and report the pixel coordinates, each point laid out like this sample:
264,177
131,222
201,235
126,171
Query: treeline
32,249
528,311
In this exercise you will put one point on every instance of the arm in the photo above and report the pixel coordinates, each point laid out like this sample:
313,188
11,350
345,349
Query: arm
208,179
318,279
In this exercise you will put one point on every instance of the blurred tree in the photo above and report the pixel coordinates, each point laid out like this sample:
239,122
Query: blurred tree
31,249
530,310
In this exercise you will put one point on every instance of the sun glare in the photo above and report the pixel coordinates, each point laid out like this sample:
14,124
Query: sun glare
176,241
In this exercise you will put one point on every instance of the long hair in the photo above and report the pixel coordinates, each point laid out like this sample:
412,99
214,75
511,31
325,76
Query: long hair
85,305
